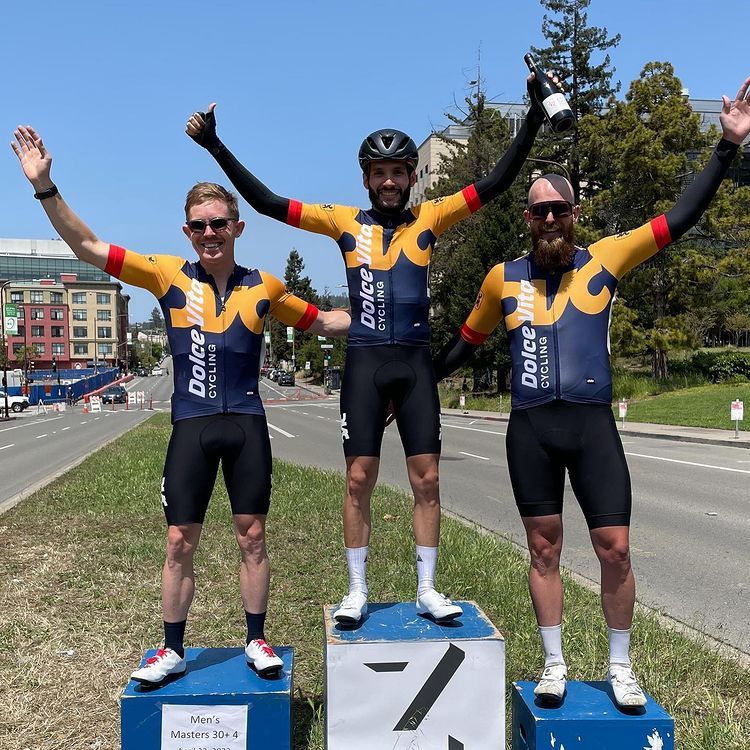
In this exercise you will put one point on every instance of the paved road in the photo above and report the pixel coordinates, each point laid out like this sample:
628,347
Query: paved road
64,439
691,518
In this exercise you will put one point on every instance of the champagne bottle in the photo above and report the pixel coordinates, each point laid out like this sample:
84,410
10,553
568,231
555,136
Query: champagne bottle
558,113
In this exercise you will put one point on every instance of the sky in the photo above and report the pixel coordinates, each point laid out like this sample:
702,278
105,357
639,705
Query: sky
109,85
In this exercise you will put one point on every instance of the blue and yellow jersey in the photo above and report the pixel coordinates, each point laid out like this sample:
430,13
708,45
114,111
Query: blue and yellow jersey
387,262
558,323
216,343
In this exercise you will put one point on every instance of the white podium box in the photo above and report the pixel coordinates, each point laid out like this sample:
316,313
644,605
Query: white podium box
401,681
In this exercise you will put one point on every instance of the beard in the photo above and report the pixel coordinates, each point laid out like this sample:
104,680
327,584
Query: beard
378,204
551,255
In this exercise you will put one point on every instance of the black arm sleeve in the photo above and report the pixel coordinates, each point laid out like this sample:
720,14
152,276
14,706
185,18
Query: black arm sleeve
453,355
507,169
694,201
263,200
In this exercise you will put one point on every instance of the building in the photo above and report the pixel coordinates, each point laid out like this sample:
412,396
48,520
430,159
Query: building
73,314
434,148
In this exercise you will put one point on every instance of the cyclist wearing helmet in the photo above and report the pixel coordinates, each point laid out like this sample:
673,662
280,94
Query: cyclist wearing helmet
386,250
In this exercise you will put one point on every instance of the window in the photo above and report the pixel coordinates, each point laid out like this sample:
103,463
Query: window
80,332
39,349
22,330
56,298
104,315
78,298
57,314
57,332
105,350
37,331
37,313
104,332
17,347
16,296
20,312
58,348
102,299
81,349
37,297
79,315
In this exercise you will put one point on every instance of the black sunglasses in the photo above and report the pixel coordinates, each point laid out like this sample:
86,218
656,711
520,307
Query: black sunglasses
217,224
559,209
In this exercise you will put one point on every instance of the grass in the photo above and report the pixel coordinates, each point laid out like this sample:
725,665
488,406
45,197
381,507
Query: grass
80,564
704,406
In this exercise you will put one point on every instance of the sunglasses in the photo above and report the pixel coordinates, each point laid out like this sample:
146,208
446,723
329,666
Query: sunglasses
217,224
559,209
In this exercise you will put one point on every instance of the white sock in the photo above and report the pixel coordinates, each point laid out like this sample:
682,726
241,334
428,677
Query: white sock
356,562
619,646
426,564
552,644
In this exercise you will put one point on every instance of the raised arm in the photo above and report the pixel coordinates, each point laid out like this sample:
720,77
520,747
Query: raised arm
735,126
36,162
201,127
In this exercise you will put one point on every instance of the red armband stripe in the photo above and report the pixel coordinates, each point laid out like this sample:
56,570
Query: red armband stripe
660,228
471,336
308,317
294,213
472,198
115,259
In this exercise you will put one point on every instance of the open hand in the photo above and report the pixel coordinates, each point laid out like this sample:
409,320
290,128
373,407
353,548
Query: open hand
735,116
36,161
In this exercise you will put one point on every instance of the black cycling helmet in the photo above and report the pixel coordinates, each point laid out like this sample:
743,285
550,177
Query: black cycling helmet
388,144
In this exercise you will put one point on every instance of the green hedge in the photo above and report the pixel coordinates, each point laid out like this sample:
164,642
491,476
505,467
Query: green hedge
715,366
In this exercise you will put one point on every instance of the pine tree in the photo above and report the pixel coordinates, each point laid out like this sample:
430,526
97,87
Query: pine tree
588,86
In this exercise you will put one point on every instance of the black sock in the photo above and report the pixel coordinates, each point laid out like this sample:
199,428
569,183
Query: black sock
174,636
255,625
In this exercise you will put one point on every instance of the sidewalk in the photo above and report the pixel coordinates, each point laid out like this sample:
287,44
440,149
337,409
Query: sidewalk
640,429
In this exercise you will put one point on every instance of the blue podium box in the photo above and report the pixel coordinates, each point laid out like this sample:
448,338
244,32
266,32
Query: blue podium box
587,719
400,681
220,703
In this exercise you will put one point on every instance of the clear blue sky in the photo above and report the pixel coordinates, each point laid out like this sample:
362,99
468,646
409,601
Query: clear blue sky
109,84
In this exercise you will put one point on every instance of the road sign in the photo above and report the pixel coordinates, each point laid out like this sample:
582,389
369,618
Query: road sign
326,346
737,411
11,320
289,334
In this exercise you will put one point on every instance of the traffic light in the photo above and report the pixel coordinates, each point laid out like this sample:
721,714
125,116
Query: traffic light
54,364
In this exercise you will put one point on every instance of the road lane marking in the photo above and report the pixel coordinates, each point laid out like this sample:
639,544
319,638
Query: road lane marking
36,421
45,435
474,455
65,428
278,429
689,463
473,429
2,448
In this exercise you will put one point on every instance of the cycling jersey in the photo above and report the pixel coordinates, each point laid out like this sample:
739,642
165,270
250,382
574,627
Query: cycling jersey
558,322
216,343
387,262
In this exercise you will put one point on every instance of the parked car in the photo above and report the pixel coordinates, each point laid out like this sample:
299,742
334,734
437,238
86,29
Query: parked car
157,371
271,374
141,372
15,403
115,394
285,378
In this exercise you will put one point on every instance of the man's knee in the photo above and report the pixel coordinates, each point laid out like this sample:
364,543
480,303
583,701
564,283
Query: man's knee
426,485
360,480
180,545
251,538
613,552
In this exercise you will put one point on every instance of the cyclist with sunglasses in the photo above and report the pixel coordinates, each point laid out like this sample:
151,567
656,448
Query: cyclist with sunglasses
555,303
386,250
214,310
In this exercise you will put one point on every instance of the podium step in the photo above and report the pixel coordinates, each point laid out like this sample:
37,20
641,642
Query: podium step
219,704
587,719
399,680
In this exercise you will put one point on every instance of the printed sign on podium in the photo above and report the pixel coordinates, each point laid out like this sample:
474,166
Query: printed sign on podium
218,704
402,681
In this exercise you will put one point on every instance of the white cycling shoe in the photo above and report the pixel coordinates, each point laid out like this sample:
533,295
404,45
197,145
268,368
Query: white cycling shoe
352,609
262,658
551,685
165,663
625,686
437,606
